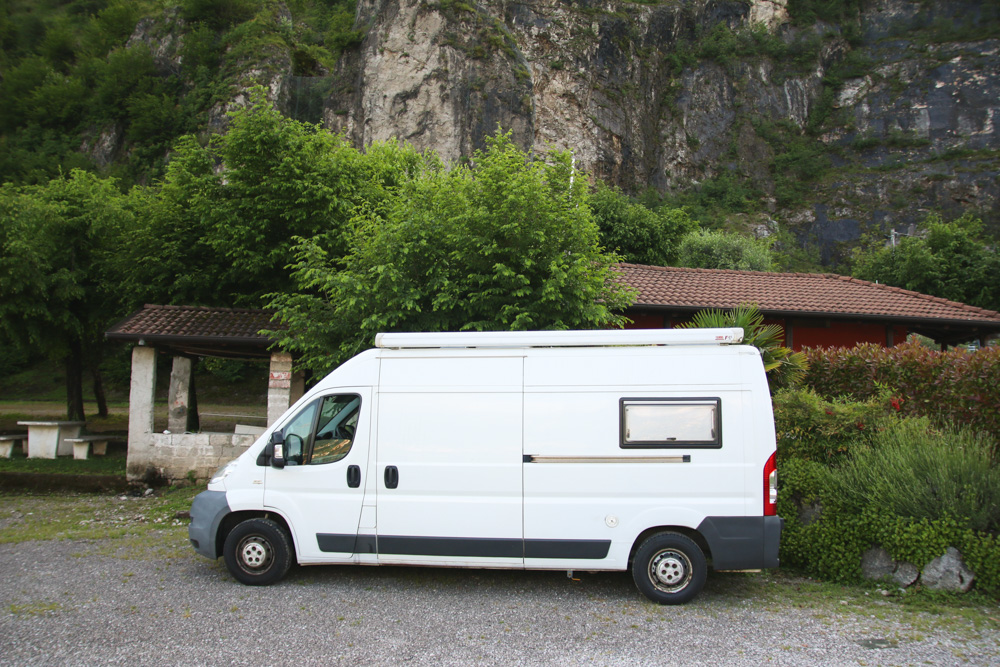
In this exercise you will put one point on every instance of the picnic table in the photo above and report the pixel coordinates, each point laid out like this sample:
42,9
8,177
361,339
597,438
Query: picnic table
48,439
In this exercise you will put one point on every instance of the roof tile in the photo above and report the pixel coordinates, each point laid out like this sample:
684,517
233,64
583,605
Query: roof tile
805,293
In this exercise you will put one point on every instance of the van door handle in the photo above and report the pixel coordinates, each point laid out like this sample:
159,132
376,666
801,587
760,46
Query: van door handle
353,476
391,477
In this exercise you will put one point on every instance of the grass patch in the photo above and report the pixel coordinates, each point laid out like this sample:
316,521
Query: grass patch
113,463
154,518
922,610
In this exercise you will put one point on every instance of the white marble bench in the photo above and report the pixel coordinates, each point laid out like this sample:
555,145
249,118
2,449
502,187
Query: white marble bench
82,445
7,443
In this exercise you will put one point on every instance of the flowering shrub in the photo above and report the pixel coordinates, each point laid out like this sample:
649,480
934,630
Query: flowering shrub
955,386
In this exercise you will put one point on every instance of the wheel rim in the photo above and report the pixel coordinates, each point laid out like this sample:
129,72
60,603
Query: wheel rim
255,554
670,570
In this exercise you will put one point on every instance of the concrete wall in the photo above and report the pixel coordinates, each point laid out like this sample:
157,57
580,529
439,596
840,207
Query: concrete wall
172,456
177,454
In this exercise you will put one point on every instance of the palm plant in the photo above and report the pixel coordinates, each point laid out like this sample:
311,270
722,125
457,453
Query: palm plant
783,366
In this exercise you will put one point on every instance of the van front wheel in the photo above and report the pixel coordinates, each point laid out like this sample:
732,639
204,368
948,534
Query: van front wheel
257,552
669,568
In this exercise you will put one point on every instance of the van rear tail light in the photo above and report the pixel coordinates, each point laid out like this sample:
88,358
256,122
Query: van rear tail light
771,487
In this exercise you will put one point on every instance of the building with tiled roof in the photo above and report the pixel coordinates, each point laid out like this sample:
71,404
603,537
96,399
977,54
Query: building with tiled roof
198,331
815,309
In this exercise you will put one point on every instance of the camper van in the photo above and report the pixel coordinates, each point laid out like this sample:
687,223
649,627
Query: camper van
649,451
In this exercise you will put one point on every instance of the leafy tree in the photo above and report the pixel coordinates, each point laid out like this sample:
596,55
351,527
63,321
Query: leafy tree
509,244
783,366
279,179
722,250
951,261
640,235
57,288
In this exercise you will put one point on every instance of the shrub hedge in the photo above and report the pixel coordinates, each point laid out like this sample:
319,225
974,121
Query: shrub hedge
822,442
954,386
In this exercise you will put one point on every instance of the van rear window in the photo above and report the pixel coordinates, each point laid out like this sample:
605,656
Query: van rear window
671,422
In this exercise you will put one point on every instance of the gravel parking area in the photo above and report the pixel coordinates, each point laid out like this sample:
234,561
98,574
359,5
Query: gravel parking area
149,600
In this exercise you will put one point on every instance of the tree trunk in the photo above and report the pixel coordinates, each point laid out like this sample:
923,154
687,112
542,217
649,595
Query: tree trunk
102,401
74,383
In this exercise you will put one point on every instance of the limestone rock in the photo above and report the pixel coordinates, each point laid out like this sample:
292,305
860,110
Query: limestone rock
877,564
947,573
906,574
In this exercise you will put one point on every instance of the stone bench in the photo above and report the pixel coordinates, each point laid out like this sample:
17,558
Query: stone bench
83,444
7,443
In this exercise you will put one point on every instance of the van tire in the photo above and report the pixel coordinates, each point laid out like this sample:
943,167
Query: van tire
257,552
669,568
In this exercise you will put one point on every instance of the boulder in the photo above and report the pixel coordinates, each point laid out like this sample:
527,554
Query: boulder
947,573
877,564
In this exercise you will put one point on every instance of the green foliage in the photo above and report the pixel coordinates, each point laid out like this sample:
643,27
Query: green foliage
952,261
723,250
508,244
69,80
855,474
280,179
638,234
783,366
952,387
910,469
57,284
811,428
807,12
799,160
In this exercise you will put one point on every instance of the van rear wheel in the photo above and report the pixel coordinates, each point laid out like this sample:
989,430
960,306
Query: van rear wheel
257,552
669,568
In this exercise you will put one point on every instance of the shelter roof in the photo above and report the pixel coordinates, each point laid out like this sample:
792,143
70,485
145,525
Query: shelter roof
199,331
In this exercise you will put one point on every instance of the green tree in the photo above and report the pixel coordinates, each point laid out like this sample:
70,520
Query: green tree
722,250
952,261
509,244
219,229
783,366
58,292
638,234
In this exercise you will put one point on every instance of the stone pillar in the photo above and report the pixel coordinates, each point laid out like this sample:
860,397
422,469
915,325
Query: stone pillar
179,395
140,411
279,386
298,386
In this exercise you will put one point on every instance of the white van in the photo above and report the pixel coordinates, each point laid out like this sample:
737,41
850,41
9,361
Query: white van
642,450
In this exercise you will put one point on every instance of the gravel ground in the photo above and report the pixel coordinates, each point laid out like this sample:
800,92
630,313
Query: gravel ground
151,601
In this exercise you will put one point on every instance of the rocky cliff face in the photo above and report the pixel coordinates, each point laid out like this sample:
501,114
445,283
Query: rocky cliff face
643,100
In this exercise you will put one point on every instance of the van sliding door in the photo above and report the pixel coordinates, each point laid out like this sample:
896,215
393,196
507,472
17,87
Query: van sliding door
449,461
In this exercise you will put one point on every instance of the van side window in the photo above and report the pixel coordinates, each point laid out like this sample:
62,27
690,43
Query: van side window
338,420
671,422
323,431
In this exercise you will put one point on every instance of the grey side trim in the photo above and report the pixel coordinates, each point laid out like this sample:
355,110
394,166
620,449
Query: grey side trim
207,511
463,547
467,547
348,544
742,542
583,549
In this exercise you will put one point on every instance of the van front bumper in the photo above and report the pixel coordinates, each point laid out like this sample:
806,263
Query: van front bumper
207,511
743,542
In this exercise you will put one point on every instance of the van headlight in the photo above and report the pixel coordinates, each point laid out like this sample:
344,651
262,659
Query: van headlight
222,473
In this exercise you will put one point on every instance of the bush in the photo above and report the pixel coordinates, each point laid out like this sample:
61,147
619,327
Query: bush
951,387
812,428
913,470
721,250
854,474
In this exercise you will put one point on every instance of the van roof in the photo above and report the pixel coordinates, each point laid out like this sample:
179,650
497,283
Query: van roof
594,338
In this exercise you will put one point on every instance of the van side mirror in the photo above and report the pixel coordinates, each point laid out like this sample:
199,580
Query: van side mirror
277,447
